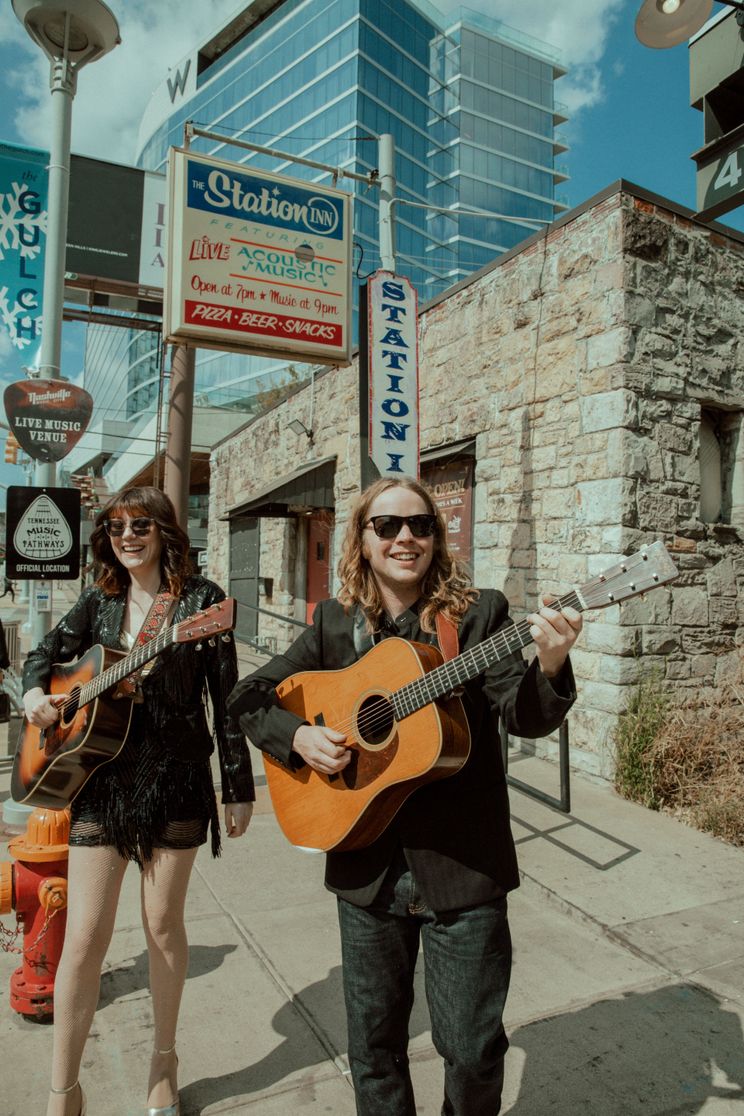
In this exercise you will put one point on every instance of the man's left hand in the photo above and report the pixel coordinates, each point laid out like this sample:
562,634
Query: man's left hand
554,634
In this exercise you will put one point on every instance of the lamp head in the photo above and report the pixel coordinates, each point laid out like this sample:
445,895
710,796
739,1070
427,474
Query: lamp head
665,23
79,31
297,426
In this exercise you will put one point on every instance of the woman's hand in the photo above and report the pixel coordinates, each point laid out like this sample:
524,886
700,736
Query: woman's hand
237,817
321,748
554,634
42,709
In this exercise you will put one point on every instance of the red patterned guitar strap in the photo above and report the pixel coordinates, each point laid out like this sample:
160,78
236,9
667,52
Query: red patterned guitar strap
153,623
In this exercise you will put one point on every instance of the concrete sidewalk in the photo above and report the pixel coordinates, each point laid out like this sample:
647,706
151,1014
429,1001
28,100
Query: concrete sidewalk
627,993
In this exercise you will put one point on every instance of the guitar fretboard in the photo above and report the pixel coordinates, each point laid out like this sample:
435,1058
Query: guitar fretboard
445,678
132,662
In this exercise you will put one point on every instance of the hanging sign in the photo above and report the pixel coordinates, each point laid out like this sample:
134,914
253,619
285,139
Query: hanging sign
48,417
257,262
392,347
42,539
24,182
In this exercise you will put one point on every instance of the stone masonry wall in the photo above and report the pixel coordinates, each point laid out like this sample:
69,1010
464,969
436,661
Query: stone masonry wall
579,365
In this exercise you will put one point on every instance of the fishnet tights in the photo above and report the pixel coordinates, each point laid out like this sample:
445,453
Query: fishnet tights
177,834
95,876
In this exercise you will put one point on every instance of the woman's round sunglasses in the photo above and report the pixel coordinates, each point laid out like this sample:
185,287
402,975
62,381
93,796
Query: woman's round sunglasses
388,526
140,526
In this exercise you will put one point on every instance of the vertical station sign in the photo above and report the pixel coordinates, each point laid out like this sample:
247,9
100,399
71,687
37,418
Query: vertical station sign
257,262
392,354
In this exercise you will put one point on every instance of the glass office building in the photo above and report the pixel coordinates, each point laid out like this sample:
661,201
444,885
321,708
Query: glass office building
469,103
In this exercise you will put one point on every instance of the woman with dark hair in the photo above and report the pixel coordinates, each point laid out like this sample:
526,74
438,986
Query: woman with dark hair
154,803
439,873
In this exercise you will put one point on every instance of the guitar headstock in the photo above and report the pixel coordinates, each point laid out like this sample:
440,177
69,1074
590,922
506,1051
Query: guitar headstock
632,576
210,621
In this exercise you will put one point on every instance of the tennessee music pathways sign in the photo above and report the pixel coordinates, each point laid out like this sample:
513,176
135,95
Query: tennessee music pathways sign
258,263
42,533
48,417
392,348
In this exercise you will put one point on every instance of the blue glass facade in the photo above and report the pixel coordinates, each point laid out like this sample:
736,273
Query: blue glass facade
470,108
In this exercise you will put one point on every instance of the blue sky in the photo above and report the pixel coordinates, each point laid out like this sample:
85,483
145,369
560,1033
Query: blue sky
629,105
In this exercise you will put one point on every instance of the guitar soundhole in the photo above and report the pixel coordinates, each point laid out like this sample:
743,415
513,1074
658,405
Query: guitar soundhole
70,708
375,721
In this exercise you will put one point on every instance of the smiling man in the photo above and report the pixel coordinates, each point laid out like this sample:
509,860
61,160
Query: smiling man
439,872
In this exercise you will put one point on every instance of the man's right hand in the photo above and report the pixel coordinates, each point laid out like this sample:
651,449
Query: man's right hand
321,748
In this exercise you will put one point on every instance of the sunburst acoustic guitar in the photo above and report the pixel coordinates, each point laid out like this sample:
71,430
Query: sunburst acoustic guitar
401,721
52,765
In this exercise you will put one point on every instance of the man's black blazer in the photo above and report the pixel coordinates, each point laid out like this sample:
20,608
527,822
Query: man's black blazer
455,832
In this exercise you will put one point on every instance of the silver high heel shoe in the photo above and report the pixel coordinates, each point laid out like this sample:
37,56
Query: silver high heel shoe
75,1085
170,1109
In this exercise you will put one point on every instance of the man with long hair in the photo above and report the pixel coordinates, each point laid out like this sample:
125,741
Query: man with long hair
439,873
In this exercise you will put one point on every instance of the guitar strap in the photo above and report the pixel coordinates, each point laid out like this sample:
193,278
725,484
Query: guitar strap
446,636
131,686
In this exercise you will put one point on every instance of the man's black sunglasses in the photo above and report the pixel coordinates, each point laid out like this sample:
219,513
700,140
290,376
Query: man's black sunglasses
388,526
140,526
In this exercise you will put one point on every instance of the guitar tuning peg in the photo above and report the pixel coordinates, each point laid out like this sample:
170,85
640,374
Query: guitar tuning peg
226,637
198,646
211,642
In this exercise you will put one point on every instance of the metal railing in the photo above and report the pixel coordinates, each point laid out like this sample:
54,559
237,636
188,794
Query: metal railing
563,802
265,648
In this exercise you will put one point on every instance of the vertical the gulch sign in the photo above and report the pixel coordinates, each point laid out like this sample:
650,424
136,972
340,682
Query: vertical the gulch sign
393,375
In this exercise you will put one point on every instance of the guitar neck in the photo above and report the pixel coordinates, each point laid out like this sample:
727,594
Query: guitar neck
445,678
120,670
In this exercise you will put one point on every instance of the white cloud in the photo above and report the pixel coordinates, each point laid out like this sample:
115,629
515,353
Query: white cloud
113,92
578,29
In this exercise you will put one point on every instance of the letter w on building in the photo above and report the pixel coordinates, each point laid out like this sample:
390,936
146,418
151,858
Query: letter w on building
178,85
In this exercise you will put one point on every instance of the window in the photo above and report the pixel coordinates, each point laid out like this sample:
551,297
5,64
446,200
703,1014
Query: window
721,463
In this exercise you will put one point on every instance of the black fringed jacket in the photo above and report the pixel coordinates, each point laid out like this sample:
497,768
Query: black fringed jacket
455,833
175,718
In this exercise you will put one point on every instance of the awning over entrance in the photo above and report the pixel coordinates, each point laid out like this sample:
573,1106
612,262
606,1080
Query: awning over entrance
306,488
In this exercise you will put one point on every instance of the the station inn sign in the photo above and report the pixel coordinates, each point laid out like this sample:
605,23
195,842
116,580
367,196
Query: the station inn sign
258,263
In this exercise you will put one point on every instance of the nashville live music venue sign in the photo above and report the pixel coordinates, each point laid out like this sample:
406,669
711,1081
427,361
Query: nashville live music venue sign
48,417
258,262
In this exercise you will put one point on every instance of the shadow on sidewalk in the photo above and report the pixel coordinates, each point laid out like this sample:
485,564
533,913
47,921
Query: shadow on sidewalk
665,1051
299,1024
134,976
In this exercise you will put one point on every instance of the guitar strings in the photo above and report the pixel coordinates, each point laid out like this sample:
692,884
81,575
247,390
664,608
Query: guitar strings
131,662
377,713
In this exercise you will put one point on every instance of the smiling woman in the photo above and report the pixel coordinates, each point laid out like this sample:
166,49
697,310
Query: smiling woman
154,802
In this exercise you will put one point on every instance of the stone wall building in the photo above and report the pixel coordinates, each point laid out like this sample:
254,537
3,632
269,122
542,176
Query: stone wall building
594,378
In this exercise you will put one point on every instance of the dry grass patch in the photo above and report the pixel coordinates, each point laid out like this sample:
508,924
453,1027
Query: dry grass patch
687,758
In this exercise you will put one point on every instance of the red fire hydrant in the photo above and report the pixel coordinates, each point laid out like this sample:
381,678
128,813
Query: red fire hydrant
35,887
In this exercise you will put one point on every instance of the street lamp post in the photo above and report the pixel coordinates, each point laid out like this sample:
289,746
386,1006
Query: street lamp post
71,33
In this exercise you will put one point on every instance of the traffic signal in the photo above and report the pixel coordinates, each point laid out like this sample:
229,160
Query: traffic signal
11,448
93,490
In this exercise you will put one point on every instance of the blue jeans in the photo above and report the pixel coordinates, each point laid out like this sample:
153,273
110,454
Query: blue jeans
467,964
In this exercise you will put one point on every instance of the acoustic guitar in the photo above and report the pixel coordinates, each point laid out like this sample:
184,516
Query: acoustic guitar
402,721
52,765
